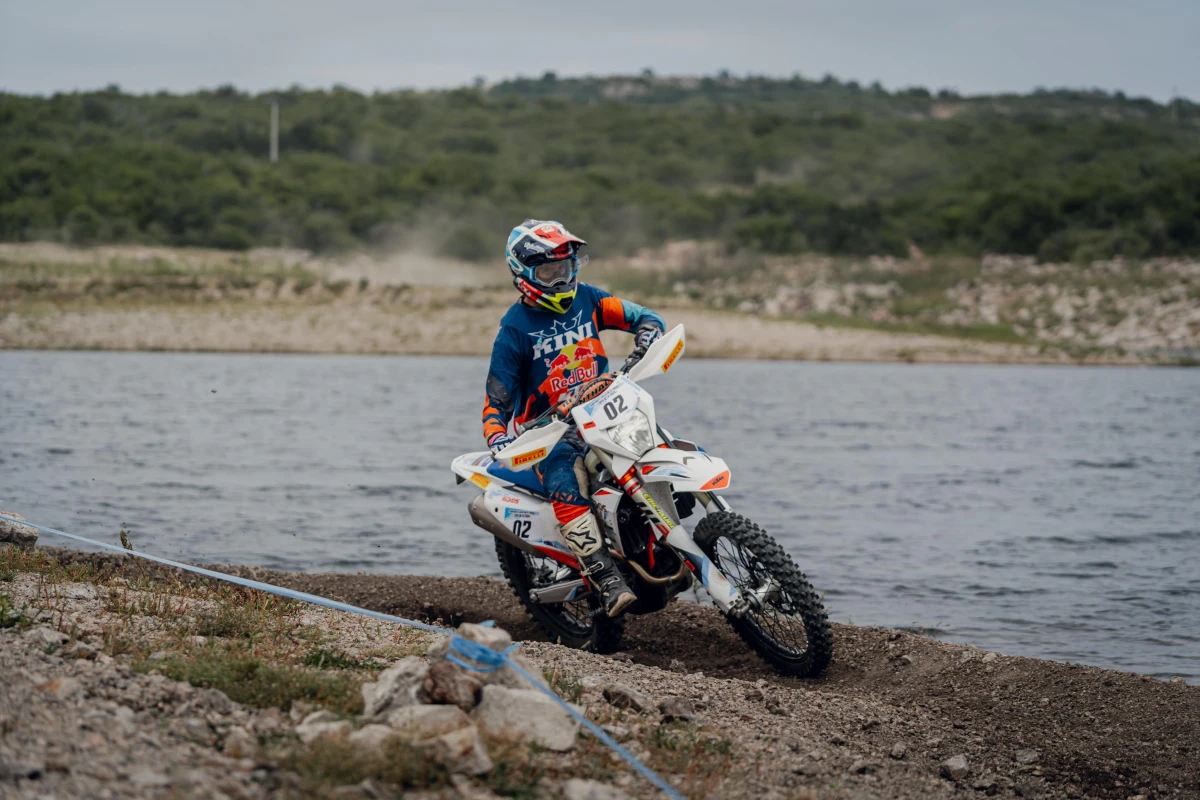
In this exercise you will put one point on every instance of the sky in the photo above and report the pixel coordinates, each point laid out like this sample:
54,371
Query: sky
1148,48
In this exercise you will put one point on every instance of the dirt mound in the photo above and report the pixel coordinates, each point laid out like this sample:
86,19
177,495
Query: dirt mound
1038,728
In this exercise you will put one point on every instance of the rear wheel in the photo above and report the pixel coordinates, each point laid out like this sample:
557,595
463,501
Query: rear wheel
570,624
786,623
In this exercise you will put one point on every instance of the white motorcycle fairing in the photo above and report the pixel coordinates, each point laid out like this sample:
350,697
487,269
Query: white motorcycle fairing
512,512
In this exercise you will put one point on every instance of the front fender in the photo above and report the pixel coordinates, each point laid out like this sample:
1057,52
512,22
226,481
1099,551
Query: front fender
686,470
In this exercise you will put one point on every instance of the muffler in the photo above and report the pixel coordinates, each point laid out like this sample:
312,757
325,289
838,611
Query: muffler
485,519
563,592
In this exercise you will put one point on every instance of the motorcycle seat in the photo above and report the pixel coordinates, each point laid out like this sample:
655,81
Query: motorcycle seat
526,478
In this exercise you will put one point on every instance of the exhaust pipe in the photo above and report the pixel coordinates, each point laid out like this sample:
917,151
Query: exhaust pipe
485,519
558,592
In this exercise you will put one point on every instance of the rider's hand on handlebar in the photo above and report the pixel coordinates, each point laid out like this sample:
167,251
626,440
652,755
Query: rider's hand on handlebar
646,336
498,442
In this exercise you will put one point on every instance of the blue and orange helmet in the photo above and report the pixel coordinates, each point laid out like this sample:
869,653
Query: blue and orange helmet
545,262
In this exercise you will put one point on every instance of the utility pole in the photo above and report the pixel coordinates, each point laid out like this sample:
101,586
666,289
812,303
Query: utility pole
274,130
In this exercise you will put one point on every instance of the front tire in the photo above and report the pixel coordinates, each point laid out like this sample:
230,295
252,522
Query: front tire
788,627
573,624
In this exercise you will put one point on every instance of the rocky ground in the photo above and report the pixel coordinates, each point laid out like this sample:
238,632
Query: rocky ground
994,310
127,680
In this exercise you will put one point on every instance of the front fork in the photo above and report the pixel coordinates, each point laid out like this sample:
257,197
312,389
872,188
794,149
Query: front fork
724,594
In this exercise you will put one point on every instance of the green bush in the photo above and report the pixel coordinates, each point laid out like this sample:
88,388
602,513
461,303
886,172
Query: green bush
777,166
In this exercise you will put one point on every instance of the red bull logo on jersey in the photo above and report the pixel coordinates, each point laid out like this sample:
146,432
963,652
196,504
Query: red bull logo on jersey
559,384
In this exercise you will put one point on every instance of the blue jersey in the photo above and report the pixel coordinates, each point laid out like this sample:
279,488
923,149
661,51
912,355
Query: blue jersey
539,356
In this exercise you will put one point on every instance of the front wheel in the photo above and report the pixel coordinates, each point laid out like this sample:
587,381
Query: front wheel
574,624
786,623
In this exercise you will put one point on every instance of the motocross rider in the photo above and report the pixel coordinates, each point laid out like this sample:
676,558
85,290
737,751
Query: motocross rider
549,343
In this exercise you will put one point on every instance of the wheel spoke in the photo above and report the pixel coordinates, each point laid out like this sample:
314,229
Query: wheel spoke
777,616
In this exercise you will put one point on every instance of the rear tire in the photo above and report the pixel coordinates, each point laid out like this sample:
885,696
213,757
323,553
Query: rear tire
561,621
747,556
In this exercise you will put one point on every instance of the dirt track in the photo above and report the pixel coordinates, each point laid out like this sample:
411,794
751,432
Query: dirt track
1097,732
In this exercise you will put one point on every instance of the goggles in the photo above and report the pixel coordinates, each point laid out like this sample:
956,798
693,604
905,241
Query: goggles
552,273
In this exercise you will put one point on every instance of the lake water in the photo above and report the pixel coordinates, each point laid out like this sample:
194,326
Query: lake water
1052,512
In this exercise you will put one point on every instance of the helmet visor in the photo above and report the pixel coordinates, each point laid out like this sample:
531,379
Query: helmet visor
553,273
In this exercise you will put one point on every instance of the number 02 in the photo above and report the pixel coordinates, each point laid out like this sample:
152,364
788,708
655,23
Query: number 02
613,408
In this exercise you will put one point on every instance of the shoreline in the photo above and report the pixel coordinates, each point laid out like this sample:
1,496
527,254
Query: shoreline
893,711
813,308
367,329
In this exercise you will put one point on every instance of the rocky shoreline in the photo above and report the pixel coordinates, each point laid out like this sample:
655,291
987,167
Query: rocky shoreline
994,310
118,684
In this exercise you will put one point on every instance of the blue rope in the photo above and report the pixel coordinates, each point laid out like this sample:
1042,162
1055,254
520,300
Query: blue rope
262,587
463,652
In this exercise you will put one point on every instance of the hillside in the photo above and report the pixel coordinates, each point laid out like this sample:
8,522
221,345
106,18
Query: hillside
752,164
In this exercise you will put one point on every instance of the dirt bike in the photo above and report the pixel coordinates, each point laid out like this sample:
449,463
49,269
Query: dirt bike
641,482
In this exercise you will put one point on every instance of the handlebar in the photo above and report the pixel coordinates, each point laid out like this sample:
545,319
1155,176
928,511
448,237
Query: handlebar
562,409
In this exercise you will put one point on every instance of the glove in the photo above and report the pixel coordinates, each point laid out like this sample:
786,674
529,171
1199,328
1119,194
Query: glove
646,336
498,442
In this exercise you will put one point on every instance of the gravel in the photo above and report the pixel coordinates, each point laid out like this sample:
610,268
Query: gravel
1099,733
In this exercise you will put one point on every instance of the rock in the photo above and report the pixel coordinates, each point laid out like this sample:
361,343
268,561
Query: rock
988,659
46,637
863,767
676,708
62,688
899,750
621,696
16,534
460,751
372,737
469,790
984,783
907,660
580,789
398,686
194,729
527,716
147,778
444,732
371,789
618,732
955,768
496,639
13,769
447,683
1029,756
213,700
425,722
81,651
240,743
321,724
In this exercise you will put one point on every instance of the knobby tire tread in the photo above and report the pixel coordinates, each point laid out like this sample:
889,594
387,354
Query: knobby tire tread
745,533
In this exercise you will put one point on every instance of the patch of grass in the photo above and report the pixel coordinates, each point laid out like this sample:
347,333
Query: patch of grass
10,617
517,772
332,762
680,748
253,682
322,658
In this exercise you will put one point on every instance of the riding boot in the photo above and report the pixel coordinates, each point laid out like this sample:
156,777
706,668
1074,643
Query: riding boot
583,535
